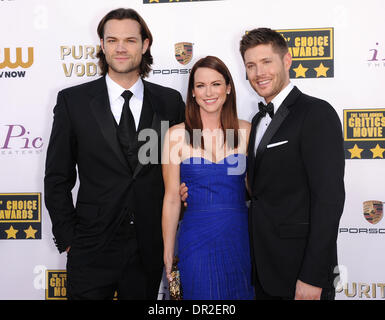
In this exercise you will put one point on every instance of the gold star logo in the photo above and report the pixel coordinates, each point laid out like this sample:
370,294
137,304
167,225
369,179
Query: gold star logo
355,152
321,70
30,233
11,233
377,152
300,71
154,1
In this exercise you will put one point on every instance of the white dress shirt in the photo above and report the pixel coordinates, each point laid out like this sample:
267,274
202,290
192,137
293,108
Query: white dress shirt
265,121
116,100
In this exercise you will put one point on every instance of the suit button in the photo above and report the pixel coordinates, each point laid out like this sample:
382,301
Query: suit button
131,217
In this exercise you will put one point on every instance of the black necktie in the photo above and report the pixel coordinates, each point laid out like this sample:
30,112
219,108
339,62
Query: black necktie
263,109
126,128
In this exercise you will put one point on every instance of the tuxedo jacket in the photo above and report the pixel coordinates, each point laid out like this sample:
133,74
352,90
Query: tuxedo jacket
84,141
297,195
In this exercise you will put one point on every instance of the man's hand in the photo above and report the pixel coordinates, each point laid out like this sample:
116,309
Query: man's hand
183,193
304,291
68,249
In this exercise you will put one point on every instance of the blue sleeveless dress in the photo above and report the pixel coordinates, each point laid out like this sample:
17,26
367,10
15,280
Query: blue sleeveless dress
213,239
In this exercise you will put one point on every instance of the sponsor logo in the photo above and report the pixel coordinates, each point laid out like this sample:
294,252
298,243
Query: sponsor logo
56,285
364,133
183,52
166,72
376,56
363,290
19,141
20,216
14,59
373,211
356,290
355,230
173,1
312,52
80,60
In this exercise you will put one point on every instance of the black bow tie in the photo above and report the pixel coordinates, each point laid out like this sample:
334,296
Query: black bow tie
263,109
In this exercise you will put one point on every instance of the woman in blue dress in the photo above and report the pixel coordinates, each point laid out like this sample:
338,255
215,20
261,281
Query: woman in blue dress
208,153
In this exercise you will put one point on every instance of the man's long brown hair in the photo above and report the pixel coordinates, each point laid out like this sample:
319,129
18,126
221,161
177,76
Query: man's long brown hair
121,14
229,118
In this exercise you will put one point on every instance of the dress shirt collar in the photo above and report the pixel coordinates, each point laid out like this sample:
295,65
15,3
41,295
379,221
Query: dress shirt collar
280,97
115,90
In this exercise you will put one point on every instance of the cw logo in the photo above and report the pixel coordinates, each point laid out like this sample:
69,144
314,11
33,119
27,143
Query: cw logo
19,59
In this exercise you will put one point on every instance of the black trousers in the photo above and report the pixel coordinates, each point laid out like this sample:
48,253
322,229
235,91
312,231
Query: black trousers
261,294
117,268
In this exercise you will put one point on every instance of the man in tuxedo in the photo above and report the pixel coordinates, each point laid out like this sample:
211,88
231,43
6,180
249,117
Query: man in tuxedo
295,177
113,233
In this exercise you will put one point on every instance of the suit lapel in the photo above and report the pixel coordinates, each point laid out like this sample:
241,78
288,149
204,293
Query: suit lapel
101,109
282,112
148,120
146,114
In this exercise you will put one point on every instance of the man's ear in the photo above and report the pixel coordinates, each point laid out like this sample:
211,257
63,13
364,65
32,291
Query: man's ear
102,45
146,43
287,60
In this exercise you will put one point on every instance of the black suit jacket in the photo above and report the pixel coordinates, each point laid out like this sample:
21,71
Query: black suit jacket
84,138
297,195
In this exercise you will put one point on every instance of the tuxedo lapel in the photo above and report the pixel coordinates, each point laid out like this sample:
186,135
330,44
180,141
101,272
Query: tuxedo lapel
271,130
250,150
100,106
282,112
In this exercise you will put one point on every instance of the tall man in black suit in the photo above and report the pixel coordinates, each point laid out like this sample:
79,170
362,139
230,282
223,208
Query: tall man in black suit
295,177
113,234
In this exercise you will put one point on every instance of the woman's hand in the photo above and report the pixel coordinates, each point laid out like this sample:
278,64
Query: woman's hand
168,266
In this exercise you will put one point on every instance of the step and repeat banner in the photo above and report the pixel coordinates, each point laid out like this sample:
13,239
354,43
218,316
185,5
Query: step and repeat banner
338,50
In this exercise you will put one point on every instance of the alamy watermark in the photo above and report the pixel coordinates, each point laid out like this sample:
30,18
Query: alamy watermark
176,147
